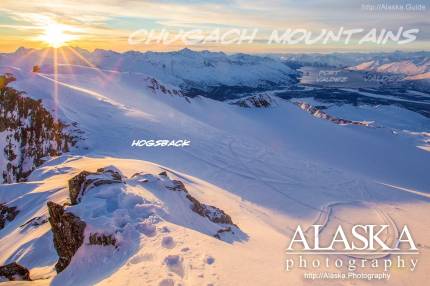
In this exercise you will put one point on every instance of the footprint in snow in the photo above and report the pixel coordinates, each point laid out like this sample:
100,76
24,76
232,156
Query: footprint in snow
141,258
174,264
166,282
147,229
168,242
209,260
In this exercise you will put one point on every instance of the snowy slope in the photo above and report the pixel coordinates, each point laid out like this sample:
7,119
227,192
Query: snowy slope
160,242
268,168
123,101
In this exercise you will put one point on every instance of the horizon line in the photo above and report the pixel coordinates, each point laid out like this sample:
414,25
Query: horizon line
221,51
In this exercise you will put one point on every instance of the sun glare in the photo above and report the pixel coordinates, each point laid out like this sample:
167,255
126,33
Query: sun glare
55,35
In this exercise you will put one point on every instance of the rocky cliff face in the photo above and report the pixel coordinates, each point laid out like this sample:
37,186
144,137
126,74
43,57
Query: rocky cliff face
68,231
28,132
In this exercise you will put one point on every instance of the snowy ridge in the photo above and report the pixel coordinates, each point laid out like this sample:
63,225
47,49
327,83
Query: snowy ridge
318,113
406,67
118,219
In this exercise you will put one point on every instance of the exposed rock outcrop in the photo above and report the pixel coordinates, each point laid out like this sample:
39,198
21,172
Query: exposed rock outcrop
30,133
114,171
316,112
102,239
155,85
14,272
35,222
221,231
214,214
68,231
76,186
163,173
7,214
85,180
258,101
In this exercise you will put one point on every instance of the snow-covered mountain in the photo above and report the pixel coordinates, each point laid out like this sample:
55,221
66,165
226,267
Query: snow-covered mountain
211,74
343,60
421,76
414,72
391,69
407,67
219,211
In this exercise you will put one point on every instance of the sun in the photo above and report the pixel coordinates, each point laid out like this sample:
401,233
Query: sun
55,35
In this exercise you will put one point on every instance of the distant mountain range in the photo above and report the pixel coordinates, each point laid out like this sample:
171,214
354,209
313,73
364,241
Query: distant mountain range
343,60
410,69
215,74
222,76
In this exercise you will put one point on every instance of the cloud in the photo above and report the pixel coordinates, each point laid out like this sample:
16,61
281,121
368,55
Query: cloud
115,18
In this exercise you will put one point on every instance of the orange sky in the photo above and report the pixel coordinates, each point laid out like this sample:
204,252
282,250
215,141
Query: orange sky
108,24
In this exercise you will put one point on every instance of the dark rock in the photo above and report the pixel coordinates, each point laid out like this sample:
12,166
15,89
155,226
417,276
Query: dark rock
258,101
318,113
140,174
114,171
214,214
102,239
7,214
31,133
221,231
136,174
36,69
156,86
178,186
76,185
13,271
35,222
85,180
164,173
68,231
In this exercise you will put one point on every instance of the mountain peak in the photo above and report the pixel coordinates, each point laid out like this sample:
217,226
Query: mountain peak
187,51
